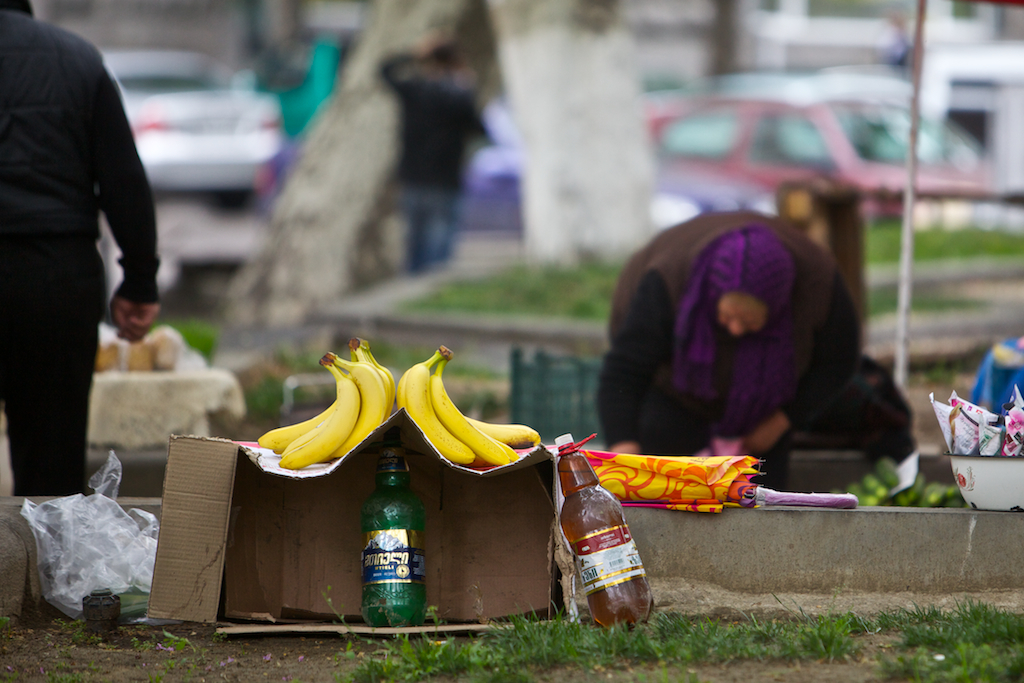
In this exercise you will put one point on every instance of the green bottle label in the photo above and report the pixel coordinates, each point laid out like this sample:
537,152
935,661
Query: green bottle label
391,460
393,556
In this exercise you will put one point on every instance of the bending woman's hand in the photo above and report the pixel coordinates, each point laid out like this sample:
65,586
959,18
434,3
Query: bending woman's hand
631,447
766,434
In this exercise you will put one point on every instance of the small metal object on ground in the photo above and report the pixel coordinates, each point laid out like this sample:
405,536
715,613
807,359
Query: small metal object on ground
101,609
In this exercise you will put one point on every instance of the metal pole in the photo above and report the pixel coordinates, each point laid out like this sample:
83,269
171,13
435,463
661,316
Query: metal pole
907,235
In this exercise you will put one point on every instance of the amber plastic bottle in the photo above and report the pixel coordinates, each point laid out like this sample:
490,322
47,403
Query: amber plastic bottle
607,559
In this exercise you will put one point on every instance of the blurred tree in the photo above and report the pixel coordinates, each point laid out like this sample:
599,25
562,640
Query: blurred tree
572,84
725,29
334,228
570,72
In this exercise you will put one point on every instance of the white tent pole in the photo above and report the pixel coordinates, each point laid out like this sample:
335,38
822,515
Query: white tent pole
907,234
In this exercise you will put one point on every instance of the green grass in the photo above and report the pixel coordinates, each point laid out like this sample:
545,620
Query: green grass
585,292
973,642
882,301
882,244
200,335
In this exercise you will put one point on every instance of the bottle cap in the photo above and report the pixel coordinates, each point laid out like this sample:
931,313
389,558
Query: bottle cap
564,439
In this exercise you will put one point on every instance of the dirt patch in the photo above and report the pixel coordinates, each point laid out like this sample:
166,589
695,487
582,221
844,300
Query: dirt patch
63,651
188,651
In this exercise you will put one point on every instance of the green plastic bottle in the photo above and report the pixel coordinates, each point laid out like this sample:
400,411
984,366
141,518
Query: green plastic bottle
392,521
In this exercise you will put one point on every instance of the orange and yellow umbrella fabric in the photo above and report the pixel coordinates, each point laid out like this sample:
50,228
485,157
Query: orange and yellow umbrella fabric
690,483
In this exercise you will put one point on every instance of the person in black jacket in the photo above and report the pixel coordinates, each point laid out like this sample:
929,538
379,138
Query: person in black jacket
66,153
727,332
438,116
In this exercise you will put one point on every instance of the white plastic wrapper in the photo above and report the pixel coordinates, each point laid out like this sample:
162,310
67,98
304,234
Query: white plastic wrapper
967,422
942,414
90,542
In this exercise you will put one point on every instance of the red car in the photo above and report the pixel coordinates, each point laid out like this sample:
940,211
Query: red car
765,129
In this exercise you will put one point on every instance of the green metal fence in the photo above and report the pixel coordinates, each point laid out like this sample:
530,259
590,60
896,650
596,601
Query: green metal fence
555,394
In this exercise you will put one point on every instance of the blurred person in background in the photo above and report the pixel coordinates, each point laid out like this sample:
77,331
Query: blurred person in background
438,117
66,153
895,46
727,332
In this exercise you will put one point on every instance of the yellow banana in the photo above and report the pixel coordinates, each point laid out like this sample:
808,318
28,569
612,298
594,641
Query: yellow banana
490,451
280,438
517,436
414,396
360,349
373,405
324,440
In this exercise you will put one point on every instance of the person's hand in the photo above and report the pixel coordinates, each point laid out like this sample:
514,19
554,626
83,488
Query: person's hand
132,319
766,434
631,447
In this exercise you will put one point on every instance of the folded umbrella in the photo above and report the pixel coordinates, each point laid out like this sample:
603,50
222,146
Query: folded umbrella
698,483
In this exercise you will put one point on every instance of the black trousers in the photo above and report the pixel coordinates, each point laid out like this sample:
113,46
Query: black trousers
52,298
668,428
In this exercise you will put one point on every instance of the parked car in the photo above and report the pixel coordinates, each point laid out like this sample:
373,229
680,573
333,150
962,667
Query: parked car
491,200
491,184
765,129
197,126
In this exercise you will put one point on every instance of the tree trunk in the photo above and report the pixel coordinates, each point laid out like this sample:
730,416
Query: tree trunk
569,71
570,77
283,19
724,57
335,228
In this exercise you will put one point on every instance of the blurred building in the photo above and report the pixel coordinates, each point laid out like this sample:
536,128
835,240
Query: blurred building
801,34
679,40
974,72
234,31
211,26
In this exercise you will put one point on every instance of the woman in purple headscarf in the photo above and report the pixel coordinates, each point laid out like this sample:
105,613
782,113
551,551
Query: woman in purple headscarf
729,326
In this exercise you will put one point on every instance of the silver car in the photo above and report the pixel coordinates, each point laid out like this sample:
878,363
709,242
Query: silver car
197,128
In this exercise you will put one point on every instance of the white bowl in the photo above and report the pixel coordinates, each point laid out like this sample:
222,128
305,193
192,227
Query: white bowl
990,482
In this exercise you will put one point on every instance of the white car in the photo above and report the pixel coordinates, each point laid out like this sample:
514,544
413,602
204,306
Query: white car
197,128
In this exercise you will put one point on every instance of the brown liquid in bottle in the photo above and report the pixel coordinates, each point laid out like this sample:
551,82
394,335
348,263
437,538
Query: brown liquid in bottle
606,557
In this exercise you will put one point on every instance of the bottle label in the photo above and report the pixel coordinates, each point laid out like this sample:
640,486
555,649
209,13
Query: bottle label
391,460
606,558
393,556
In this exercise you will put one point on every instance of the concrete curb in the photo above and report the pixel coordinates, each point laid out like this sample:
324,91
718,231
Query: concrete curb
772,561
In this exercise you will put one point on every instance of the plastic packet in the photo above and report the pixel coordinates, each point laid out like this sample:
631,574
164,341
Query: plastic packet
990,438
1014,439
942,413
88,542
968,420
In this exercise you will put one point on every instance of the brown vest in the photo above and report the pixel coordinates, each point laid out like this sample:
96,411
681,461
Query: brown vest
672,252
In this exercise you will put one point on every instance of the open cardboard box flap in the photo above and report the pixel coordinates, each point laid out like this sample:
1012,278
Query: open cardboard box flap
244,539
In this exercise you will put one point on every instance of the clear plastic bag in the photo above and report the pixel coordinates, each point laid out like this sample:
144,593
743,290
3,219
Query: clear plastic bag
89,542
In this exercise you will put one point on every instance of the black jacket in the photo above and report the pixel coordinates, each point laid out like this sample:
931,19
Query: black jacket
66,149
438,116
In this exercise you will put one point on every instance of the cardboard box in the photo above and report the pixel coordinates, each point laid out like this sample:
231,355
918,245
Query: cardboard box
243,539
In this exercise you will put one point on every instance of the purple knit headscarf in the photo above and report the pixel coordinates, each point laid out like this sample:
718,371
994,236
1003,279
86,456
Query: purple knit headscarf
754,261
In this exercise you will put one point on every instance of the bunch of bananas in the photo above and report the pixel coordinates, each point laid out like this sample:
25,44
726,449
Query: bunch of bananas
366,395
874,489
365,398
458,437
